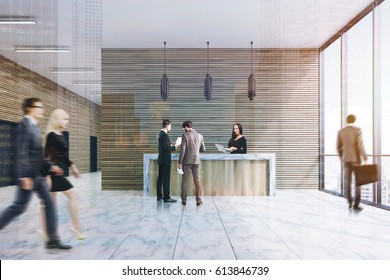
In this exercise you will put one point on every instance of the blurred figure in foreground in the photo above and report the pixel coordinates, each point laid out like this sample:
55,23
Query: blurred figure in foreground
29,165
57,151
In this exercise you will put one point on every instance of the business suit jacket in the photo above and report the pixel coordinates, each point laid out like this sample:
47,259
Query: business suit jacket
29,162
350,145
191,144
164,148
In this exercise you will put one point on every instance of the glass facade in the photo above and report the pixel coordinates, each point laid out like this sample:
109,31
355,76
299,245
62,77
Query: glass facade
331,85
353,81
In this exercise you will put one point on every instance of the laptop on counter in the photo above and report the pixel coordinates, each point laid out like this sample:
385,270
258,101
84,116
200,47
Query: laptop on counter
222,149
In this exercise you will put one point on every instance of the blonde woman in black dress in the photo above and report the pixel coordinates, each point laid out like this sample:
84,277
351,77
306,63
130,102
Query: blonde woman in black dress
237,144
57,150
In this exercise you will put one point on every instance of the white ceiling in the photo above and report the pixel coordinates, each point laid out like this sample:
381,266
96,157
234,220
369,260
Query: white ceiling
181,23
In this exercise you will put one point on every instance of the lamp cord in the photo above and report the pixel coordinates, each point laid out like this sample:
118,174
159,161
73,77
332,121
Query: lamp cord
251,55
164,55
207,57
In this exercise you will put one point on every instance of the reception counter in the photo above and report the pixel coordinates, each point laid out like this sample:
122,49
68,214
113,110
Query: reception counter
220,174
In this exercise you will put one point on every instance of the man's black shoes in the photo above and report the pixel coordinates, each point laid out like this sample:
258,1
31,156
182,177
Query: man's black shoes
171,200
56,244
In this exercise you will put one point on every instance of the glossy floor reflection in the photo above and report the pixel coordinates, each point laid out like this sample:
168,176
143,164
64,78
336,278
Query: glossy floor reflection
293,225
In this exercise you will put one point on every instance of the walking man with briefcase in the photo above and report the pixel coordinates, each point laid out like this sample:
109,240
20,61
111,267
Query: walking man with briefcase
352,153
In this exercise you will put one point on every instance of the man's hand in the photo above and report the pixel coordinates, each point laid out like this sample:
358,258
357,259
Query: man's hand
27,184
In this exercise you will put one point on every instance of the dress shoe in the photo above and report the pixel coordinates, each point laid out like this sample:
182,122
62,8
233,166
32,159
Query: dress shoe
183,203
199,202
357,208
78,233
159,198
56,244
171,200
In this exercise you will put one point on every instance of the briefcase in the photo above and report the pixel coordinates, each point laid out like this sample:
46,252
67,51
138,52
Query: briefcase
366,174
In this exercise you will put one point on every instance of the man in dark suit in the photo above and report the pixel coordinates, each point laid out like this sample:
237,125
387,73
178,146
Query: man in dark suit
192,143
29,169
164,163
351,152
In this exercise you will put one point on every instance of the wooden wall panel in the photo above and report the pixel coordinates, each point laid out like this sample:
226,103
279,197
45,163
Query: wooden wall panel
18,83
283,118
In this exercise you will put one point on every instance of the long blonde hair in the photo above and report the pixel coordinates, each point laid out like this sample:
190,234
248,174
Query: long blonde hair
54,122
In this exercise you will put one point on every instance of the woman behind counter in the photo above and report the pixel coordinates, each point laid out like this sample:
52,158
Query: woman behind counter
237,144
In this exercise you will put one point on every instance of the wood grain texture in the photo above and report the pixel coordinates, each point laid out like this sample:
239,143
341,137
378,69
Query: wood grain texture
282,119
18,83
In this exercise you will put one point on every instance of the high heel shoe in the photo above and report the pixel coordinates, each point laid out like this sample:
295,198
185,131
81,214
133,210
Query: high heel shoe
199,202
43,235
79,234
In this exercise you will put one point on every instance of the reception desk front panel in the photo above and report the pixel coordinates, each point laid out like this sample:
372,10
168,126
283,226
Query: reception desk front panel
221,175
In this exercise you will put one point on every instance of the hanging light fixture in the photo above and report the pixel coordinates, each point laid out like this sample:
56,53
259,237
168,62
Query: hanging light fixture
164,81
208,81
251,81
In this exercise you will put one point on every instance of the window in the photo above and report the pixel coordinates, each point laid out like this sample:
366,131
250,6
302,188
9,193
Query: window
383,61
330,90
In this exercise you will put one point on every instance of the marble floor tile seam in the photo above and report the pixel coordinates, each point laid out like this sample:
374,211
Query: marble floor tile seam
356,247
271,229
224,228
280,233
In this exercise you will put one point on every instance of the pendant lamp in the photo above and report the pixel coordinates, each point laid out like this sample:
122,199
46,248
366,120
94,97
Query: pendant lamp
251,81
164,88
208,81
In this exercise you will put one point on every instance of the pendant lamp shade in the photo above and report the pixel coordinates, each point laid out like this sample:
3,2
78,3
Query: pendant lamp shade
164,86
251,87
208,81
251,82
208,87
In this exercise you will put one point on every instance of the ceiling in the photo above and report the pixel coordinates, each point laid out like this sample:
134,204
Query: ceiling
86,26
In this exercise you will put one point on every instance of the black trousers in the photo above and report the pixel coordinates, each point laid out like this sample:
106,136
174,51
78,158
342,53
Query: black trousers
163,181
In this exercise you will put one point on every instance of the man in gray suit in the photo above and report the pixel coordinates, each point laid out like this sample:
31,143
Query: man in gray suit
29,169
191,144
351,152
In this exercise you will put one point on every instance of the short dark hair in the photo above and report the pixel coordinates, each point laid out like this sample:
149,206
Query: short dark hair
239,128
29,103
165,123
187,124
351,118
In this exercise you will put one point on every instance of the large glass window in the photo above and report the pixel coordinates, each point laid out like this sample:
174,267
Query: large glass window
331,86
353,86
358,70
383,49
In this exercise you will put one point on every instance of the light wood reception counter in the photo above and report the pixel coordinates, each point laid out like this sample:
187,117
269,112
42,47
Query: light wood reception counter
220,174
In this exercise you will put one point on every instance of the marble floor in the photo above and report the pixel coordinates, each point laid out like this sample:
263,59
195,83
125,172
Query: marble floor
124,225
